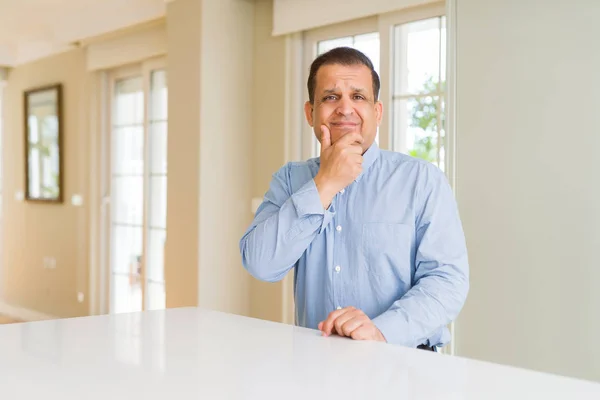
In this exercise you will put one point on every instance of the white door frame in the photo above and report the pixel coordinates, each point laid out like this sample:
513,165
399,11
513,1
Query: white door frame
100,176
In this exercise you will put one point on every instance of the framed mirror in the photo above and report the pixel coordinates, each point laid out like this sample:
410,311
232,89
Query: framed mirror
43,144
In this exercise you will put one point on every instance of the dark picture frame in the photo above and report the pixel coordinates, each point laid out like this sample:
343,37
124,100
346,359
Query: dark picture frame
43,139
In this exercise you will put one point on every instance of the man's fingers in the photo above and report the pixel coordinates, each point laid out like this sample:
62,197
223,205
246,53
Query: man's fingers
342,320
328,325
353,138
362,332
353,325
347,323
325,138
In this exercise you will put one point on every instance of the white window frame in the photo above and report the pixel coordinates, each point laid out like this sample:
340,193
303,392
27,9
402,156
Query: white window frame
102,288
387,23
2,86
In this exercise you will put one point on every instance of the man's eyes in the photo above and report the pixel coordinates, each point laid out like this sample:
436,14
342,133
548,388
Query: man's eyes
334,97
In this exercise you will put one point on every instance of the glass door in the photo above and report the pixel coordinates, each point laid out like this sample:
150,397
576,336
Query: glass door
138,185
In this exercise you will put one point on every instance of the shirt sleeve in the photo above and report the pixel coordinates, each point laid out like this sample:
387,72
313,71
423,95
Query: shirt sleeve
441,279
283,227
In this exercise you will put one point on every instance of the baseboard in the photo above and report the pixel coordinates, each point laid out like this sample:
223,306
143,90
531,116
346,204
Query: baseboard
23,314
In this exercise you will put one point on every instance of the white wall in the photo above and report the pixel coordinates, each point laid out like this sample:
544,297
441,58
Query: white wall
528,182
299,15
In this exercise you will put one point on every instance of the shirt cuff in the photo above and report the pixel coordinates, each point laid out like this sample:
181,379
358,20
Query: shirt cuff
308,202
394,328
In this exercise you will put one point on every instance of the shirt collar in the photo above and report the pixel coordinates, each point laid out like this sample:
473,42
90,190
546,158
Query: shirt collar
369,158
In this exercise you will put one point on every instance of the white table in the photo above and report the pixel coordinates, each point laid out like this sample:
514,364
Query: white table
189,353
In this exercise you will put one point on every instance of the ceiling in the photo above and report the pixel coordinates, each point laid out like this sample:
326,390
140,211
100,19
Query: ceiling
33,29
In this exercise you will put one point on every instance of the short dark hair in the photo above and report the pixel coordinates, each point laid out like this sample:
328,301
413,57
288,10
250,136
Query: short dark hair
343,56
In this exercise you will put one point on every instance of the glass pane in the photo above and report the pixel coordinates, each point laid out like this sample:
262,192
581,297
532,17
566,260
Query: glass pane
442,134
443,54
128,150
416,127
127,199
156,296
369,45
127,294
129,102
158,89
156,254
326,45
417,57
127,250
158,202
158,148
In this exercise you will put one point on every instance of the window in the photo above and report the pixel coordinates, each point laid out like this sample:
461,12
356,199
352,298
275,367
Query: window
138,174
418,92
408,50
2,84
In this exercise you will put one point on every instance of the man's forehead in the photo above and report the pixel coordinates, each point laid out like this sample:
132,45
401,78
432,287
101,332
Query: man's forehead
354,77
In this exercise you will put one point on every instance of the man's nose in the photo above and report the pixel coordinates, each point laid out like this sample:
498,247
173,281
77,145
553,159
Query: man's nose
345,107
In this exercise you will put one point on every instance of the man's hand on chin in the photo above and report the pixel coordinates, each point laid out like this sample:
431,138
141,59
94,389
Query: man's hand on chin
351,322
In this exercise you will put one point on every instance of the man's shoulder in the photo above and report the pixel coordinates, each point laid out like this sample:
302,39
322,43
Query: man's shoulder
296,173
395,160
294,167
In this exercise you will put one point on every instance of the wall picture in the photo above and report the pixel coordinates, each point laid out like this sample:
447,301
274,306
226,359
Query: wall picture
43,144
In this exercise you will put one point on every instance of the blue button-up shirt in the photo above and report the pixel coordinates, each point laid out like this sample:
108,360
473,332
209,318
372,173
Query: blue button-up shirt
391,244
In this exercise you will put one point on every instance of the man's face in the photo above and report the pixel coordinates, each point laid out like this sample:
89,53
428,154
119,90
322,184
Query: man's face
344,102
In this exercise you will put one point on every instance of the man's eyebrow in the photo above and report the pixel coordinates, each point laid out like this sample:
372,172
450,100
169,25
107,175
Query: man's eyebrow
356,89
331,90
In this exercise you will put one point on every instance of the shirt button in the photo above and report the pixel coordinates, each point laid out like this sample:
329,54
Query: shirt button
338,268
338,308
338,228
342,191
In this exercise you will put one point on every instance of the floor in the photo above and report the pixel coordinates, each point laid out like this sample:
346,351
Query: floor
6,320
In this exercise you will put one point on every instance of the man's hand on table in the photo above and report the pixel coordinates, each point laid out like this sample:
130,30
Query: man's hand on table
351,322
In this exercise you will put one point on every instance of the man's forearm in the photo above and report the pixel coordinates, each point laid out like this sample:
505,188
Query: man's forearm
272,246
427,307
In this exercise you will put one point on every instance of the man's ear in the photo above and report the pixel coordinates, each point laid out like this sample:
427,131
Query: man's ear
308,113
379,111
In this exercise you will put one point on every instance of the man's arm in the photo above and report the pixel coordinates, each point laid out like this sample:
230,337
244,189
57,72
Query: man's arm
441,280
284,226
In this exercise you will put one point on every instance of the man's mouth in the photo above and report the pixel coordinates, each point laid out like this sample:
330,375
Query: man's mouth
344,124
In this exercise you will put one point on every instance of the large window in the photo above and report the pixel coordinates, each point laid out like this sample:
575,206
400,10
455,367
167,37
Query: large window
408,50
138,171
419,88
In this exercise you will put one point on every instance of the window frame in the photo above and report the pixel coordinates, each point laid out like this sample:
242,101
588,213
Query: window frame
143,70
387,24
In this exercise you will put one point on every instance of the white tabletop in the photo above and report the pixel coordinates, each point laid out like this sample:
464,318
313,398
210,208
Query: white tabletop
189,353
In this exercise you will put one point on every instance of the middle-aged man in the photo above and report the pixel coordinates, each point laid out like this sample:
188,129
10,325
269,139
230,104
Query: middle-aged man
374,236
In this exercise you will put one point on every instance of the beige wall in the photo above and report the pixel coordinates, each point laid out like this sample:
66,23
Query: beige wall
226,139
210,152
268,152
183,153
527,183
34,231
225,155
